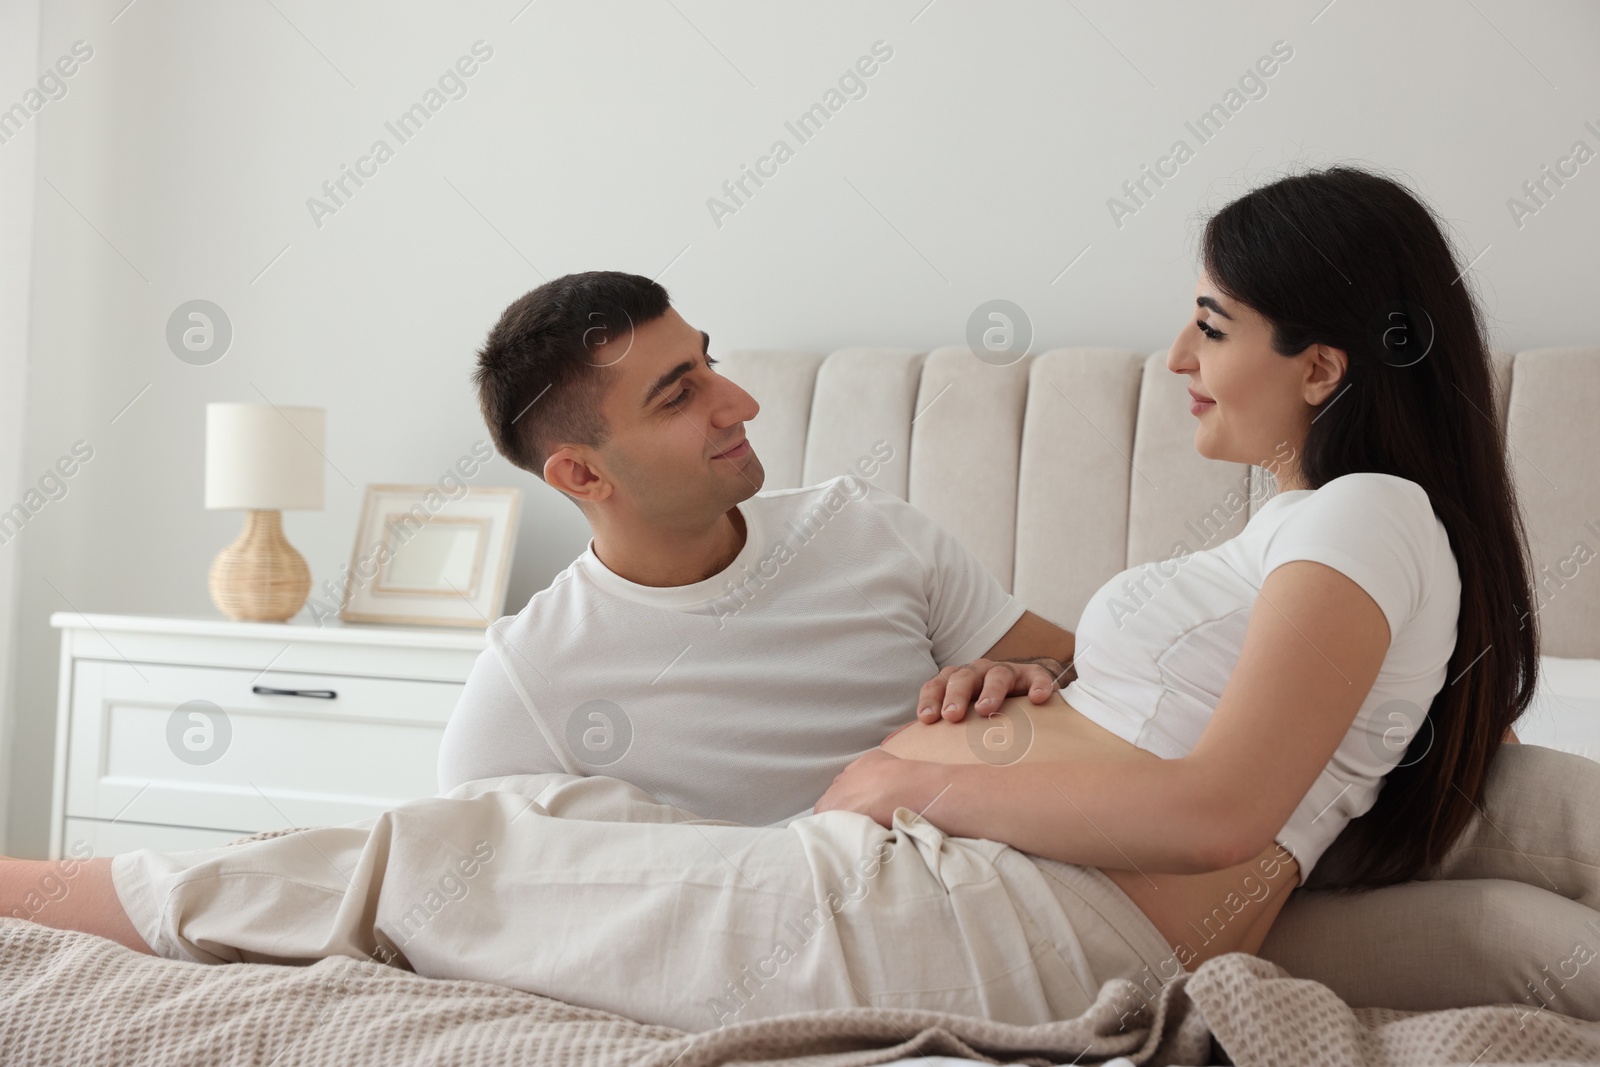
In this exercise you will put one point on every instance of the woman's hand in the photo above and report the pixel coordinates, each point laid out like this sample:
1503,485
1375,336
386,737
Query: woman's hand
949,692
877,783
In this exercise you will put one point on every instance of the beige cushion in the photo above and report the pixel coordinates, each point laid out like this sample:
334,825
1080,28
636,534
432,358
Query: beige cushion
1514,902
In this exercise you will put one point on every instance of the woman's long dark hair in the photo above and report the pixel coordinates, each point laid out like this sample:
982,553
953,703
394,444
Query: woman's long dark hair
1354,260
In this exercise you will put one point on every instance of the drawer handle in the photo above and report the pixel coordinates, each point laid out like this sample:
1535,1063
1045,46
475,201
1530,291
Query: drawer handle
319,694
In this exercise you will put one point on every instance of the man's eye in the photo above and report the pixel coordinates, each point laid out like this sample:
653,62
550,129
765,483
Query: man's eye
678,400
710,362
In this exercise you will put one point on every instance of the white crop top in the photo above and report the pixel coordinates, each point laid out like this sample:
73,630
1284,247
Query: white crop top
1157,643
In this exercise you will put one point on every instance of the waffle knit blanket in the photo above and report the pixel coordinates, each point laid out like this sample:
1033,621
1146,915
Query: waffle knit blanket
71,998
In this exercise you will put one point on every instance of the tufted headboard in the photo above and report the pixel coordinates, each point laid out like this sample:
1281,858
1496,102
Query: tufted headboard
1064,468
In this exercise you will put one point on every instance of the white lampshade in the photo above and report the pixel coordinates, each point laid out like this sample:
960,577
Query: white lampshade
263,456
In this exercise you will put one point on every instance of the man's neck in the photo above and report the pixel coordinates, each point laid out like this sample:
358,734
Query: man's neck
663,558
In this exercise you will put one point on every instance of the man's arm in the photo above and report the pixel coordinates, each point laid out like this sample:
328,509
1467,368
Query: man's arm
1034,638
1034,656
965,606
492,732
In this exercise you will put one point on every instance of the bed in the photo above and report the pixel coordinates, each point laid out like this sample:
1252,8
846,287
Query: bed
1057,471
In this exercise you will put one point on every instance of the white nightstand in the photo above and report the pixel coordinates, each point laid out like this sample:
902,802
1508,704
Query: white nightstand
184,733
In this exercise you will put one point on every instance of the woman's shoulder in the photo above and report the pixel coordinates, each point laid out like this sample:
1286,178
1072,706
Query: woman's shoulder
1381,531
1363,495
1373,484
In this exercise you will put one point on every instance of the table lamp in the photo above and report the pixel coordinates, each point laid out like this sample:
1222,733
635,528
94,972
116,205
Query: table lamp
262,458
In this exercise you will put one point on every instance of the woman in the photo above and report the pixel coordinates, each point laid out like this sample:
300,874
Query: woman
1334,345
1159,814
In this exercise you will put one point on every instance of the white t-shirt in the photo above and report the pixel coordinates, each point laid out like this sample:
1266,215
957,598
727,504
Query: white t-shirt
739,697
1158,642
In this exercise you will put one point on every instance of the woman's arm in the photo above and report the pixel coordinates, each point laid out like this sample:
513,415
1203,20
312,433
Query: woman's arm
67,894
1128,814
1314,646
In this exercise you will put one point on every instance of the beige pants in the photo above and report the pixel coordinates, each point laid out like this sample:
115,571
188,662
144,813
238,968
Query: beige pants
588,890
1510,918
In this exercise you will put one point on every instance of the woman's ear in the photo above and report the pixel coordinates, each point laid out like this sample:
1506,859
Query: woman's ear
1325,372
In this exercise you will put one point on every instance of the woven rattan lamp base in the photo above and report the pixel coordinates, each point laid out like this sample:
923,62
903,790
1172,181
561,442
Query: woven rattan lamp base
260,577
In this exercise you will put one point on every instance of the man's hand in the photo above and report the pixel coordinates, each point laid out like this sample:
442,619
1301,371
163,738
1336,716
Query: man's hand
949,693
875,784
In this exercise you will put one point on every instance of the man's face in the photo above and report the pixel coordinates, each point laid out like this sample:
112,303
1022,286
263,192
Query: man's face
677,447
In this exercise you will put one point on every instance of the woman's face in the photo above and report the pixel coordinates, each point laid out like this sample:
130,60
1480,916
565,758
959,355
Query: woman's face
1261,403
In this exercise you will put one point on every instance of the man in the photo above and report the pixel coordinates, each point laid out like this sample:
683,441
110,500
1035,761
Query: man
727,650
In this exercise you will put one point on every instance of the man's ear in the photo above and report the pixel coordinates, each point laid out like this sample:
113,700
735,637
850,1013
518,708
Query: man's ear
1325,372
573,471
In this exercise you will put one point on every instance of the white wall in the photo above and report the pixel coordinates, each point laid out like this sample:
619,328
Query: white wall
19,41
978,165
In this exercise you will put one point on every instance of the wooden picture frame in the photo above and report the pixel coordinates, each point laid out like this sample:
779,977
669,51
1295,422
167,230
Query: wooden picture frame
425,558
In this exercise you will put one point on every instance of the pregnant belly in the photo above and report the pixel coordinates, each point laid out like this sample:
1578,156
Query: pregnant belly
1200,915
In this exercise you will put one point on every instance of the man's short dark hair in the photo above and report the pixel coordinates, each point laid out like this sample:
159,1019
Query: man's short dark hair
539,379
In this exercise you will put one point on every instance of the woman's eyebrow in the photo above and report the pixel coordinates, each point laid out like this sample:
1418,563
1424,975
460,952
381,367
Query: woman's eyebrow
1208,302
